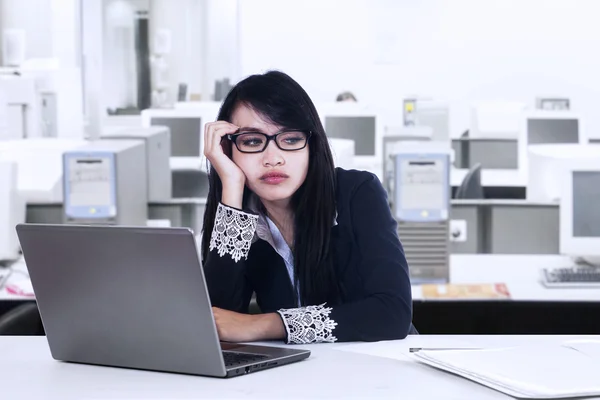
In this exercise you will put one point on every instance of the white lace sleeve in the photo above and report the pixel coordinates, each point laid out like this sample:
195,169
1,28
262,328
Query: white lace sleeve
308,324
233,232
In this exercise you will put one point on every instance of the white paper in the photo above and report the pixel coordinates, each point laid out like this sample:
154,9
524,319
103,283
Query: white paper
533,371
400,349
158,223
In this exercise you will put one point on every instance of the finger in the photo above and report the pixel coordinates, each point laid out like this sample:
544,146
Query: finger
219,132
206,126
209,129
217,135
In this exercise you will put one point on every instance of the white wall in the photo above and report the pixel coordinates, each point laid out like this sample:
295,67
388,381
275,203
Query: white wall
184,19
118,52
34,17
459,50
221,57
204,39
66,32
51,27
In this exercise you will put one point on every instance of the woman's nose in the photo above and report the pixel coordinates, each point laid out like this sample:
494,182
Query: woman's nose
272,155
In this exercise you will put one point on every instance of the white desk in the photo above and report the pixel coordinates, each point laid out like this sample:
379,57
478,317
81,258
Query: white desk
491,177
521,273
29,372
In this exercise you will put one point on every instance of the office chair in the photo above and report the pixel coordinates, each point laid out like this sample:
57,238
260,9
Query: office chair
23,320
464,153
471,188
253,308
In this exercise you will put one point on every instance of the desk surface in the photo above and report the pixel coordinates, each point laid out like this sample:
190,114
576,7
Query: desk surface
503,203
29,372
521,273
485,139
491,177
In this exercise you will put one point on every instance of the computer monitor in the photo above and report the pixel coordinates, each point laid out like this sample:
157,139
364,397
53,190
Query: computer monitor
24,112
343,152
548,127
546,162
12,211
363,126
430,113
496,120
579,211
39,166
158,153
397,139
187,129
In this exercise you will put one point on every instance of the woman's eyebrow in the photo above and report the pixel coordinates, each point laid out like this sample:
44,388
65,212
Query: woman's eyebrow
250,129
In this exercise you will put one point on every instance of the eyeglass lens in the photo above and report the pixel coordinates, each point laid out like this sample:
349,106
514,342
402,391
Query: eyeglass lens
257,142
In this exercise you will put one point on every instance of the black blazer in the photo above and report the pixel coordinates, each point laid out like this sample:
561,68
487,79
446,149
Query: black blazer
368,257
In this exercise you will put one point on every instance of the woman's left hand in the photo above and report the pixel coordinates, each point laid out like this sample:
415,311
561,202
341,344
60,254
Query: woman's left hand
237,327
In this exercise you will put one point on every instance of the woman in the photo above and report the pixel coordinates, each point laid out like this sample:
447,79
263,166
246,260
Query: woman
317,245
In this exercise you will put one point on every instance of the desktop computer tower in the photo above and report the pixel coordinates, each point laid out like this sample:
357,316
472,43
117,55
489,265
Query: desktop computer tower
421,204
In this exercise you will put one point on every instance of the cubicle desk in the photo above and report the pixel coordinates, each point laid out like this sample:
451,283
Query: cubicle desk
492,153
507,226
181,212
331,372
497,183
532,308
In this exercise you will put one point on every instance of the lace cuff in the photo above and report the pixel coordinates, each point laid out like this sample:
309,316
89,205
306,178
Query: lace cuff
233,232
308,324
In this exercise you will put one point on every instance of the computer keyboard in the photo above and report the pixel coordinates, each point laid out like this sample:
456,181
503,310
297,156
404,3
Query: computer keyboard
572,277
233,359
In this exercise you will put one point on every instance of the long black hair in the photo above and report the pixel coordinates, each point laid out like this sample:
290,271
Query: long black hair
281,100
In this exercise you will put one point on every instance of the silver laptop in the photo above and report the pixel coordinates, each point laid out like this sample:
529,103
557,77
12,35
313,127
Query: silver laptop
132,297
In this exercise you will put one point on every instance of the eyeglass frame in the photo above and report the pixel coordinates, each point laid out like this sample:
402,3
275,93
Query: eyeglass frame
233,138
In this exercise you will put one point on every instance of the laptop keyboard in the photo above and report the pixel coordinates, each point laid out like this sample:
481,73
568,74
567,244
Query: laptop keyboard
233,359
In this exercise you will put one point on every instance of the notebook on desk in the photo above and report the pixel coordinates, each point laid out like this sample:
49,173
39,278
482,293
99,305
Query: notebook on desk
485,291
567,370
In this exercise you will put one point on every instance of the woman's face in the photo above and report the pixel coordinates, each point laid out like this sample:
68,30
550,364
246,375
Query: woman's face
274,174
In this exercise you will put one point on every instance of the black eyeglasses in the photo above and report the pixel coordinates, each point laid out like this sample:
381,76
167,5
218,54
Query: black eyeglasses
257,142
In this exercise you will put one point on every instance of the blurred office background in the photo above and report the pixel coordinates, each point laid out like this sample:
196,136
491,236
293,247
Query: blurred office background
479,118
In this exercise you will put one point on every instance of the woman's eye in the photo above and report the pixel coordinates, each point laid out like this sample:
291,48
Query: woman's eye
252,142
292,140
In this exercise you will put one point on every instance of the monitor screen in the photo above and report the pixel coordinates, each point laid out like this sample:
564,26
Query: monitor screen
586,213
541,131
359,129
185,135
